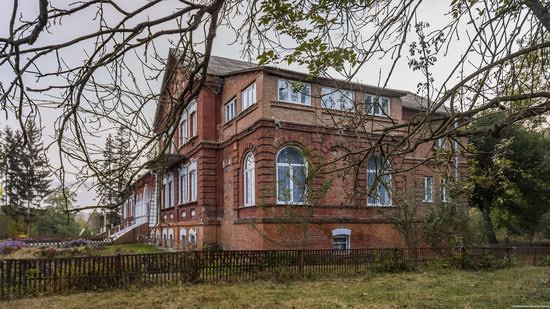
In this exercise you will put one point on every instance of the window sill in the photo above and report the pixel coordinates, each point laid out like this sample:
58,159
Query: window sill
192,203
189,140
240,115
292,105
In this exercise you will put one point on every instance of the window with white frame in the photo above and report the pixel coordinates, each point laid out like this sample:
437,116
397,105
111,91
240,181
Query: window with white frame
294,92
439,143
291,176
188,182
193,213
337,99
341,239
379,108
168,190
183,237
183,128
249,180
443,188
230,109
428,189
184,213
249,96
193,181
193,118
192,237
188,123
378,182
184,184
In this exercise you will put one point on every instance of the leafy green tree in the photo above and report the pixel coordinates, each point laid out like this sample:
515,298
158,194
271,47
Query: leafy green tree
8,227
12,167
35,171
55,221
511,179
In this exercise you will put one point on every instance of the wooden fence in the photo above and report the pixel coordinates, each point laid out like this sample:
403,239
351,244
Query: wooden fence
46,276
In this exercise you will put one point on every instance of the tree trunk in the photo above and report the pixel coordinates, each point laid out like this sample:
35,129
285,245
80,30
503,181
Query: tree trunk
485,207
540,11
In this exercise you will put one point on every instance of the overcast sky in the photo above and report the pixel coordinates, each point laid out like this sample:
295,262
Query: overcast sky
432,11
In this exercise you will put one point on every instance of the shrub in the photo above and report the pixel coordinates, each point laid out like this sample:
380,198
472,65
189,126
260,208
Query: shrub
10,246
545,261
79,243
49,253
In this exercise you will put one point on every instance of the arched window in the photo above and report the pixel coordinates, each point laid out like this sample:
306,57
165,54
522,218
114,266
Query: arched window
291,176
378,182
341,239
192,237
249,188
183,238
170,237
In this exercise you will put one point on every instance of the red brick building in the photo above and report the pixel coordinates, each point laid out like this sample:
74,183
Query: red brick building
245,165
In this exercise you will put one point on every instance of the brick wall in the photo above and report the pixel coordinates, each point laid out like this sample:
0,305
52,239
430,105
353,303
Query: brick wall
264,129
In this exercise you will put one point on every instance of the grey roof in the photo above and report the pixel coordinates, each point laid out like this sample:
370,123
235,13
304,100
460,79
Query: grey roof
414,101
223,66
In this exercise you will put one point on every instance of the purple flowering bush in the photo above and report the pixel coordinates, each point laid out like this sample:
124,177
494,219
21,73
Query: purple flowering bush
9,246
79,243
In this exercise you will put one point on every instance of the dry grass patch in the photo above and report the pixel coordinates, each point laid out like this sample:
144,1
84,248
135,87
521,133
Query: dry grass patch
431,289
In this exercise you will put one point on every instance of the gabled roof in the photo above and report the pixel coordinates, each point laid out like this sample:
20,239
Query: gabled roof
220,67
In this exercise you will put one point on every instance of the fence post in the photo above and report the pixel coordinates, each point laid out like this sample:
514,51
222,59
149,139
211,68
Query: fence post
118,268
301,262
462,254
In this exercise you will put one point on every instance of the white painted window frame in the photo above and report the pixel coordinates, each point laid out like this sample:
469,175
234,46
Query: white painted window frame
428,189
249,186
381,111
290,92
230,109
248,97
304,200
328,92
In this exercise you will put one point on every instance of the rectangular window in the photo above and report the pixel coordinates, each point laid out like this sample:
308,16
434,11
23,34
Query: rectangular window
184,213
184,185
183,128
381,108
193,181
192,212
249,96
439,143
340,242
230,110
168,191
193,119
428,189
337,99
294,92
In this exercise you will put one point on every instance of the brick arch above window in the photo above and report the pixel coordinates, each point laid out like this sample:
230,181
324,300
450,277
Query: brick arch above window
301,143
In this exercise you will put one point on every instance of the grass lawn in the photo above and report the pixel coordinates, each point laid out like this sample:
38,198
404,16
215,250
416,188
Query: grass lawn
431,289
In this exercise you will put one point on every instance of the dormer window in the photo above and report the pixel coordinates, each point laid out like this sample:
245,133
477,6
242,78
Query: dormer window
294,92
379,108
